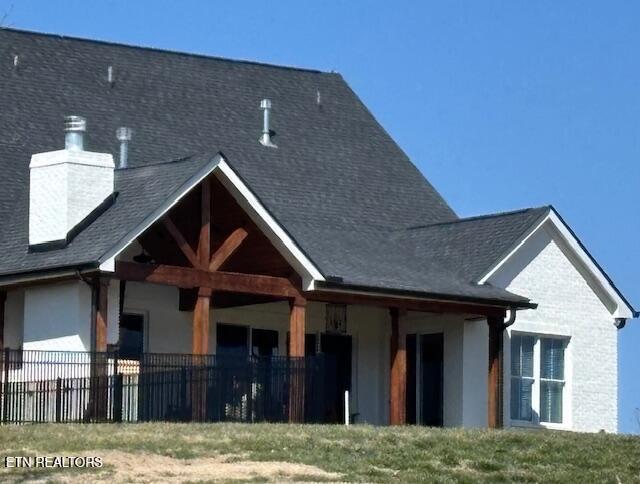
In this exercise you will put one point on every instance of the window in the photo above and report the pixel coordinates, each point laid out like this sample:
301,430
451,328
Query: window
537,378
131,344
522,377
551,379
232,340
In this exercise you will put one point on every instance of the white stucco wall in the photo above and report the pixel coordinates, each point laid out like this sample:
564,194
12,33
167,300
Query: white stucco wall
475,360
57,317
568,305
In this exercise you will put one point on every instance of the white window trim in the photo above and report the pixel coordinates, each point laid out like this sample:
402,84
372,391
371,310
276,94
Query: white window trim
535,392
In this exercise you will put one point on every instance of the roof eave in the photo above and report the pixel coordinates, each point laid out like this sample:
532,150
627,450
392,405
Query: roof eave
423,295
32,276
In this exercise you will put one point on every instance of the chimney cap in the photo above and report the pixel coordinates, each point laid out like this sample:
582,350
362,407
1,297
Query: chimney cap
75,124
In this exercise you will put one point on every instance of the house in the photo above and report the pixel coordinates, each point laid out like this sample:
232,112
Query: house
202,206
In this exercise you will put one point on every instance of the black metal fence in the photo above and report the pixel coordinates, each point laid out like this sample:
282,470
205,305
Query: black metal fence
60,386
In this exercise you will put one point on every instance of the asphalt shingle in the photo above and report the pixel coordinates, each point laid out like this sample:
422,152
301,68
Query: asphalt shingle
337,182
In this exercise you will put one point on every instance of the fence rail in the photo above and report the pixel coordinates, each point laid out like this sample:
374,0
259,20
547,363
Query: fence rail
61,386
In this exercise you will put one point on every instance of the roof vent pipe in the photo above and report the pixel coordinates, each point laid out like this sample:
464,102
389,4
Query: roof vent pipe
110,78
124,134
74,128
265,139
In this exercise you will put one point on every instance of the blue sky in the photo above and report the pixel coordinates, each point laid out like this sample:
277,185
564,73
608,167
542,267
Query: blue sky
502,105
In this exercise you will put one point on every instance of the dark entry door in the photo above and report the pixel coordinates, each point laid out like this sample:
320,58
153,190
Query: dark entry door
431,384
337,347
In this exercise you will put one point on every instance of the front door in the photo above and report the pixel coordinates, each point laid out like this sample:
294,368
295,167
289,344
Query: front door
338,348
432,379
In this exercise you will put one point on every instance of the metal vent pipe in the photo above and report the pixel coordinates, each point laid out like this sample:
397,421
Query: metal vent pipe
74,128
265,139
124,134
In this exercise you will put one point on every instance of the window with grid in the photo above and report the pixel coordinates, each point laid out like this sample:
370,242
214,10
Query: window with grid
537,378
522,378
551,379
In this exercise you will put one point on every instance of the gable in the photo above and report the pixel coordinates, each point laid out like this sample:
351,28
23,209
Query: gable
233,205
551,259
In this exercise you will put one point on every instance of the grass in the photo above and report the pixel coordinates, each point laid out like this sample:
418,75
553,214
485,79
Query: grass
357,453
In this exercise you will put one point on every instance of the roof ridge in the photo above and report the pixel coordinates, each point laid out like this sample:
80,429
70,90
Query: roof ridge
477,217
165,51
165,162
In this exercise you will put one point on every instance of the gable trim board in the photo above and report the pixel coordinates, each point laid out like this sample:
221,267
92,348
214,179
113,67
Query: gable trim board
269,226
107,261
578,254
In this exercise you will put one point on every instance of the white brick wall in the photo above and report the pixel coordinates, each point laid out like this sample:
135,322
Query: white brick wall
64,187
567,306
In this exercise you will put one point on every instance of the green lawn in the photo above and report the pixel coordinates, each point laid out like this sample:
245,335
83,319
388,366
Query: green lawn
357,453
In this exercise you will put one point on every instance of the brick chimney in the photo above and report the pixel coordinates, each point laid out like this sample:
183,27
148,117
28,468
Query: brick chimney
66,186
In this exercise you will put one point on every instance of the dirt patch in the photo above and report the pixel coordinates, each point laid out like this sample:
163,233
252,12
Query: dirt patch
147,468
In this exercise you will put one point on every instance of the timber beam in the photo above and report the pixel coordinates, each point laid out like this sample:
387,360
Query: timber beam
182,243
187,278
228,248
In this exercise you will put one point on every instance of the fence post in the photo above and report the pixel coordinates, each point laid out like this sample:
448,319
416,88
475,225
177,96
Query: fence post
58,399
5,385
184,411
117,397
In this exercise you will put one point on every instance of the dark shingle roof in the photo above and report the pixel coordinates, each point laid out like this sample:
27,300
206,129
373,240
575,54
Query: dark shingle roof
470,246
337,182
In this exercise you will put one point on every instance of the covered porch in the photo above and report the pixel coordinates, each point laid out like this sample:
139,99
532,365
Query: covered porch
213,274
224,282
385,386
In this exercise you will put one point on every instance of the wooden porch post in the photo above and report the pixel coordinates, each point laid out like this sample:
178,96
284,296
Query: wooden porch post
201,312
100,322
495,387
297,327
296,350
200,343
98,385
398,379
3,300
